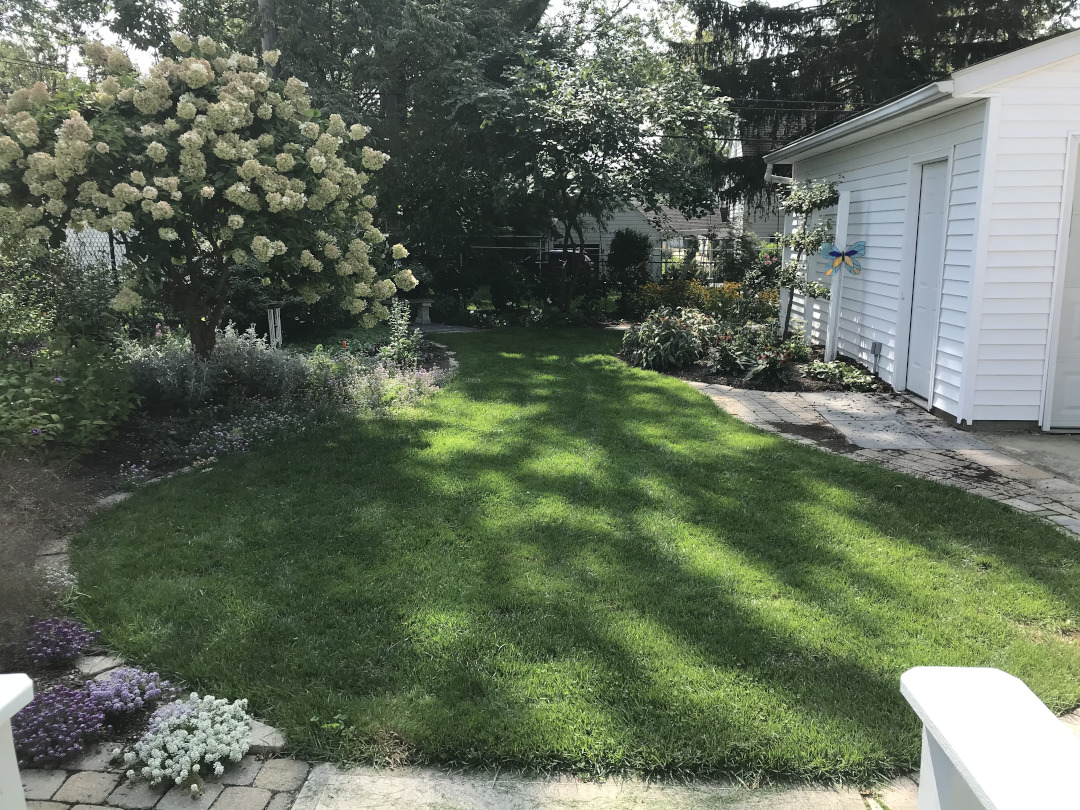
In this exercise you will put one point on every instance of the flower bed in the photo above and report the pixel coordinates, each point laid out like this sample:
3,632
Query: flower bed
182,741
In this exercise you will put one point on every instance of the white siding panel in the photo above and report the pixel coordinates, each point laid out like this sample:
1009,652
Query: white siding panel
1038,111
876,171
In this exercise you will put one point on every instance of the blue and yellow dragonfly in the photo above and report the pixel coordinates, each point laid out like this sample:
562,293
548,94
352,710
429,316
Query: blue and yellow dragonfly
849,257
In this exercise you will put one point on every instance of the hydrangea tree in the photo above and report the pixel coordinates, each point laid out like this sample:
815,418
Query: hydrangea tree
205,163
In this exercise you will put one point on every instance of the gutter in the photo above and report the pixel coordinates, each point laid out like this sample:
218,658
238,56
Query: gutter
915,100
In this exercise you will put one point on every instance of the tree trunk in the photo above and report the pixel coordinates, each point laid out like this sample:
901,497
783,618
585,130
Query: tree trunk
203,336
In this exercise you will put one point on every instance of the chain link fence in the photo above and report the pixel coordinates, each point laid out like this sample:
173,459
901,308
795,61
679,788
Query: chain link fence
90,248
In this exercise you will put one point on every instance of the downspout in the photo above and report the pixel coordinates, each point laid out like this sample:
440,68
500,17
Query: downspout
783,314
776,178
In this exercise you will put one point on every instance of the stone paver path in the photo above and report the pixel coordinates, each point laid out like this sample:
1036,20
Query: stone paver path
891,432
92,782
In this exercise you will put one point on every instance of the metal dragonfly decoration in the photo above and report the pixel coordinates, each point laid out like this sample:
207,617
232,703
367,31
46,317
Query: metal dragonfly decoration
840,258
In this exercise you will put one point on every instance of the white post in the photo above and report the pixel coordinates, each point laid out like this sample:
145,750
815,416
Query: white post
15,692
273,315
989,743
832,329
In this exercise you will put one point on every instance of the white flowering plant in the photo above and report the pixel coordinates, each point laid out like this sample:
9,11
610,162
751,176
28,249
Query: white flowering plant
190,738
205,163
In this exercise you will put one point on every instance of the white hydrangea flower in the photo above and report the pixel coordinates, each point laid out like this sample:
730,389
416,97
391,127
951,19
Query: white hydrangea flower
182,42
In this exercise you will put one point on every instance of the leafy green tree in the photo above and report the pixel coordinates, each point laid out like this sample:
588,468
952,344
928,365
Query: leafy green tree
202,165
598,121
398,66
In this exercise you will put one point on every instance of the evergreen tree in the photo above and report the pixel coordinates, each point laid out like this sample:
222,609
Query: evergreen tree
799,67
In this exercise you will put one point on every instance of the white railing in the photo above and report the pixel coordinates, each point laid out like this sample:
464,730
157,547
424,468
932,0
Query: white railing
15,692
989,743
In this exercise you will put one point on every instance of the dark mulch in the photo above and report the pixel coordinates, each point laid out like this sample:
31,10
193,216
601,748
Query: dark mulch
823,435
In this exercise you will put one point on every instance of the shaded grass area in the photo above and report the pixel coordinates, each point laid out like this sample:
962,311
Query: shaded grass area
560,561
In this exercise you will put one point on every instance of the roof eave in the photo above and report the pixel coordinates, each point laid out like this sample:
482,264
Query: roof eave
916,100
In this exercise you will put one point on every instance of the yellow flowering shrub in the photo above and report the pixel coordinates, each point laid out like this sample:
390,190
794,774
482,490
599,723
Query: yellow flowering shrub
204,163
728,301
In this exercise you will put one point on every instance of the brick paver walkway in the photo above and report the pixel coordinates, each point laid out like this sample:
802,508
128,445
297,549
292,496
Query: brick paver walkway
92,782
891,432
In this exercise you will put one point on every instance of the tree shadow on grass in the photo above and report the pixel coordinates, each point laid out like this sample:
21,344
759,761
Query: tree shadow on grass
562,562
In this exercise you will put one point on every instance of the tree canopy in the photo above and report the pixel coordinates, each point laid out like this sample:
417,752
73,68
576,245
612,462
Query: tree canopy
800,66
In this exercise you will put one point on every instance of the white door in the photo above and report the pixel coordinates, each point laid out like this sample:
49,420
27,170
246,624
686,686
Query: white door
926,291
1065,408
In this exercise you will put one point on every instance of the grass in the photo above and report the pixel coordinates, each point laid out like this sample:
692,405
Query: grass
560,561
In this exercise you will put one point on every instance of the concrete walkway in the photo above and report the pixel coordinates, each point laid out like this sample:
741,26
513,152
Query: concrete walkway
891,432
429,789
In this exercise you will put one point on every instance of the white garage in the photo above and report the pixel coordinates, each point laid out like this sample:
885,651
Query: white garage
965,192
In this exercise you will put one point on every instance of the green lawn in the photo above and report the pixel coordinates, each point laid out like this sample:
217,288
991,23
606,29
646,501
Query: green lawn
559,561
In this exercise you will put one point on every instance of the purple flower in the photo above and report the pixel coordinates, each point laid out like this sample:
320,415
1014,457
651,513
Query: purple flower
55,641
36,431
129,689
56,724
57,379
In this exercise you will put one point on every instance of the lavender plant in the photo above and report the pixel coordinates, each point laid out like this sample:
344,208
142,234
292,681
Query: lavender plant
56,724
56,641
129,689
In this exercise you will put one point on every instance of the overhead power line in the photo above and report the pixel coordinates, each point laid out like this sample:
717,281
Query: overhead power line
31,63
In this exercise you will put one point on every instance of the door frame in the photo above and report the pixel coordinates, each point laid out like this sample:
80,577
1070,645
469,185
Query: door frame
1072,166
905,300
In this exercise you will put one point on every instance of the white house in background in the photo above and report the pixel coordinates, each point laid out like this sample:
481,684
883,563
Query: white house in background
667,229
965,192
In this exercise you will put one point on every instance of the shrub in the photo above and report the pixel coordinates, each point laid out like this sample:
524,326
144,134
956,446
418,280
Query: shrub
730,301
626,265
56,641
168,373
757,353
187,736
672,294
128,689
670,338
56,724
735,255
71,393
845,374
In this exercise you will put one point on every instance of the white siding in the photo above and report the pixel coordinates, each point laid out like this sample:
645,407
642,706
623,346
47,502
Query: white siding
764,224
1026,182
630,218
877,171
